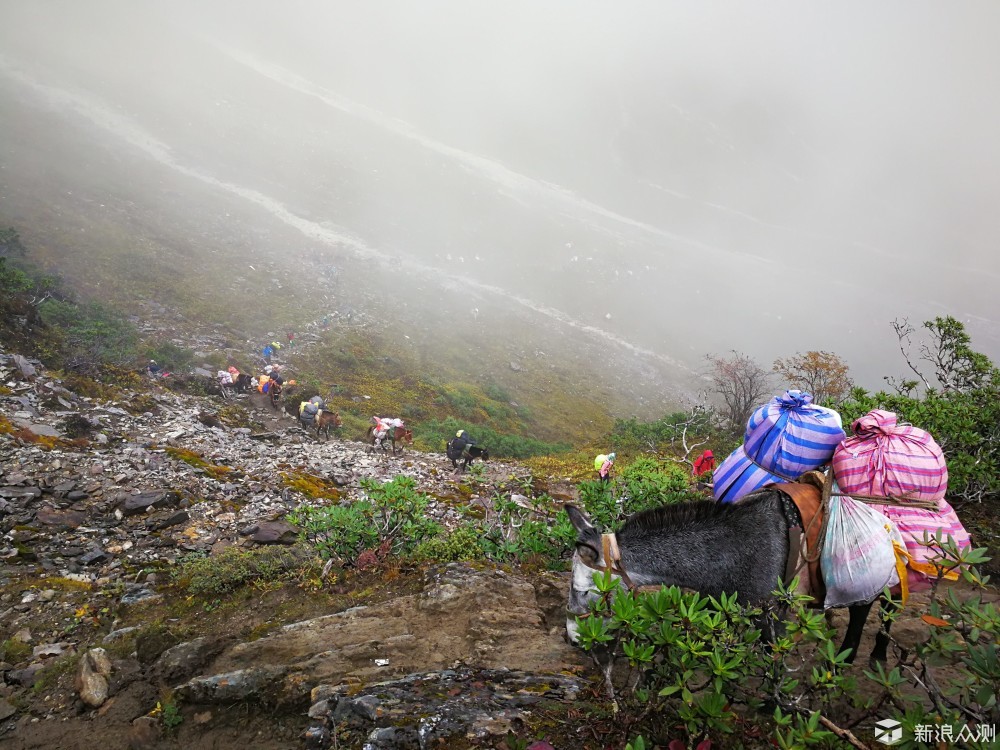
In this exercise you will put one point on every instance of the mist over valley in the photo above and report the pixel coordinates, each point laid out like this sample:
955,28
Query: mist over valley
628,189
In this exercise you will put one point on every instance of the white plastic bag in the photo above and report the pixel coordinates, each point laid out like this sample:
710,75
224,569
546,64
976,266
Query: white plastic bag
858,559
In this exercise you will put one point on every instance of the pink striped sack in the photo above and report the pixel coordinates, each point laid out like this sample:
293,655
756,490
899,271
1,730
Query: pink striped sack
901,462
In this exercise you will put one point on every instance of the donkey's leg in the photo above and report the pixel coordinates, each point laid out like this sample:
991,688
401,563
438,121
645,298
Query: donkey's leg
882,637
604,660
852,639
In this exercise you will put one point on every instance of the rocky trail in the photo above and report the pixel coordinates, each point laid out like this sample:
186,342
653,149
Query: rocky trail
100,499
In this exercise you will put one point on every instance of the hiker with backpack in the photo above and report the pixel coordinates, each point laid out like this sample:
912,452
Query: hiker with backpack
603,465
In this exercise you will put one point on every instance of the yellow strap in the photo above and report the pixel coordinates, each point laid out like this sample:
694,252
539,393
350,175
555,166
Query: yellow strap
902,557
931,571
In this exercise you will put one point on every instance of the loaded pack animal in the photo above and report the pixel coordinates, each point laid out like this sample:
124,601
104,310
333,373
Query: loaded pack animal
392,436
274,391
242,384
325,420
743,547
466,455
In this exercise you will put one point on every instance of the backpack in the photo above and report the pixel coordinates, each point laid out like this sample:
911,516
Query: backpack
455,448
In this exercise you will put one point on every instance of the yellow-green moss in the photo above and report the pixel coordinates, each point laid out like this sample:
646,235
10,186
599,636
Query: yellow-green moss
191,458
13,650
310,485
64,584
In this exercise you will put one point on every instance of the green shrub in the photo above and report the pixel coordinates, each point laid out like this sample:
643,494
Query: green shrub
92,335
338,532
170,356
462,543
643,484
13,280
631,435
649,483
235,567
693,658
435,434
497,393
399,512
392,518
509,532
10,243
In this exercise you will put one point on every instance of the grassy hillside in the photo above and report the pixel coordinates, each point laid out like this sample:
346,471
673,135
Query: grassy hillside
428,364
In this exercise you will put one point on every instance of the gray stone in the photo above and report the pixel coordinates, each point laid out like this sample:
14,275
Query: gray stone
27,676
92,677
117,635
319,710
17,492
185,659
138,594
96,555
393,738
135,505
316,737
367,706
63,519
52,649
271,532
28,370
243,685
166,520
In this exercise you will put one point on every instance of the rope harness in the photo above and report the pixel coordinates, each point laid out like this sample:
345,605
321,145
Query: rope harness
613,559
771,472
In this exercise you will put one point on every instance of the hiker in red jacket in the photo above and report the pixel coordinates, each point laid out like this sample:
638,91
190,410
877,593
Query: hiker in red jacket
704,463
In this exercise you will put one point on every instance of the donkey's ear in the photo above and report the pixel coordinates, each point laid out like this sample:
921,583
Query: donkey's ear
585,530
588,538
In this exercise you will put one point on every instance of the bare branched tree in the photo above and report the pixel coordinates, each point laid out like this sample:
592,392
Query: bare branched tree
742,383
904,333
823,374
691,433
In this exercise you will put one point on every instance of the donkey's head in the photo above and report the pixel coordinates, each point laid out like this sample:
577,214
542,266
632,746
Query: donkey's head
588,558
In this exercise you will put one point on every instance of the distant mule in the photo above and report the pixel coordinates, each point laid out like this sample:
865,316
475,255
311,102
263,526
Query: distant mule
325,420
393,435
466,456
274,394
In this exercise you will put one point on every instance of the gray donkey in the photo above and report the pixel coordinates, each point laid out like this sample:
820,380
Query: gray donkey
705,546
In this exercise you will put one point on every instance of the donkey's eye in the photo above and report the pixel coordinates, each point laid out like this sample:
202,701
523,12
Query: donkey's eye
588,554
